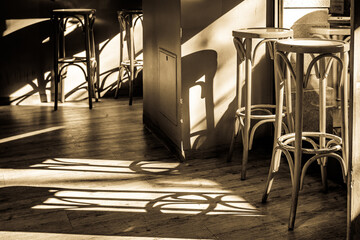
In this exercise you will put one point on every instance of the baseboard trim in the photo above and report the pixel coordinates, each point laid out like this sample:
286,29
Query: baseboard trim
217,151
163,138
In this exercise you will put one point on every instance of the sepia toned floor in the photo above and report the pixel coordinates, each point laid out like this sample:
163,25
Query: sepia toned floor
99,174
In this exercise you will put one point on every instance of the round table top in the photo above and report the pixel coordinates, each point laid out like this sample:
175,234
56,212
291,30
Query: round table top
343,31
312,45
264,32
74,11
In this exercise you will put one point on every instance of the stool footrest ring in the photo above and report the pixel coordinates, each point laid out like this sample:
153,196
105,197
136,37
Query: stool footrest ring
334,143
265,108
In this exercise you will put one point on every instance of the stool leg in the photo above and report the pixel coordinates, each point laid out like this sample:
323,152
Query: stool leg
56,64
96,55
239,85
131,56
298,137
121,53
274,168
88,63
322,121
246,130
62,54
119,81
276,155
289,108
234,137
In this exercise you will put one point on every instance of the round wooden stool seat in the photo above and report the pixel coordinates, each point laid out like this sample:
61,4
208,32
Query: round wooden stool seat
263,33
311,45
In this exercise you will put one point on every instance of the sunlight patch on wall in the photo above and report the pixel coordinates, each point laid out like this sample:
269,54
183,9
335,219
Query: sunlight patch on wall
25,90
218,37
33,89
197,105
14,25
70,27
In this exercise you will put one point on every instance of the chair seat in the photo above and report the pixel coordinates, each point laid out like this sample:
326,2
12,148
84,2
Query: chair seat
311,45
263,33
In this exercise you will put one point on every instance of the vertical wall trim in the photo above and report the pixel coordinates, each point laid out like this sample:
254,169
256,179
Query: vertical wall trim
277,9
280,16
353,205
270,13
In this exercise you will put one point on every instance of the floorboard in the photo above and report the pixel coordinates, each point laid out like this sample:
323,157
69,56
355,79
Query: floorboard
99,174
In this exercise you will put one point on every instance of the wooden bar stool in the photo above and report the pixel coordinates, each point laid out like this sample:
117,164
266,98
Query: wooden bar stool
263,113
131,66
85,18
319,144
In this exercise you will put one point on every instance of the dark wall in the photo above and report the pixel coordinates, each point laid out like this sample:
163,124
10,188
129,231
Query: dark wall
24,56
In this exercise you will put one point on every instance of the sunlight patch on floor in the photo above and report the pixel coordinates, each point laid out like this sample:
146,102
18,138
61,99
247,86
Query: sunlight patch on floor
107,166
155,200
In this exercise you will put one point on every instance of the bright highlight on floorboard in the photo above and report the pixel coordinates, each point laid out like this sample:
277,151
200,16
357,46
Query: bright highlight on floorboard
30,134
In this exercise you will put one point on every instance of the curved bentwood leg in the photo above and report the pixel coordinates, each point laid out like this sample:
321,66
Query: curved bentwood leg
280,81
236,132
322,75
247,122
240,57
88,56
298,137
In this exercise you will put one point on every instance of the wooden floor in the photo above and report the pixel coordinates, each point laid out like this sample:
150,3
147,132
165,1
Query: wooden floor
98,174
